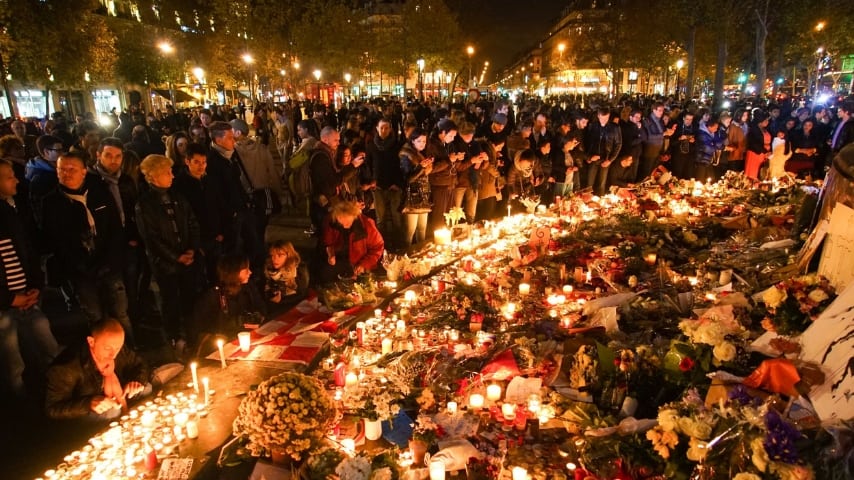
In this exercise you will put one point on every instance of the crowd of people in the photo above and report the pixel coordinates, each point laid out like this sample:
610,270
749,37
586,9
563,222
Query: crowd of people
175,205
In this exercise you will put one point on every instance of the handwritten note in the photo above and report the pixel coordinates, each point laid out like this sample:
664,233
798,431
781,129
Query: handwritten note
837,259
521,388
175,469
540,237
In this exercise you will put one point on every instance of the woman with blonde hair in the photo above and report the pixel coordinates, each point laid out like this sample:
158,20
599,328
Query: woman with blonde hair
351,242
176,149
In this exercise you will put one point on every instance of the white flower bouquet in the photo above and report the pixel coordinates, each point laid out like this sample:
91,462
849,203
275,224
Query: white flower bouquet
290,412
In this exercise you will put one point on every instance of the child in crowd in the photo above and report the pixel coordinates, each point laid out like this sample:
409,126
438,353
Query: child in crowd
282,272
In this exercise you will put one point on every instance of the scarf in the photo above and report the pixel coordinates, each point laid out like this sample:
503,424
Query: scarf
225,153
112,386
112,181
80,196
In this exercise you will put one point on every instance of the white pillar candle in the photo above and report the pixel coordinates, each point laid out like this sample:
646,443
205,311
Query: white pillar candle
524,288
452,407
410,296
386,346
519,473
493,392
192,429
351,380
442,236
206,383
567,289
245,340
508,410
476,401
194,369
219,344
349,445
401,327
437,470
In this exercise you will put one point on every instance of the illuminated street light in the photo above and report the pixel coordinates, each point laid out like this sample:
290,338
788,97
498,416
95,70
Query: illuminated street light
819,27
166,47
199,73
282,72
347,77
561,47
296,65
420,63
470,52
247,59
316,74
679,64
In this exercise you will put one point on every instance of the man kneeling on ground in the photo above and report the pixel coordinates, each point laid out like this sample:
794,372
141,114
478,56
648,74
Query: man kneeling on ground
97,379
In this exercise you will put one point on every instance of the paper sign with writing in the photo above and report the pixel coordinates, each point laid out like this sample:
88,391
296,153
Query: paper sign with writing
837,258
540,237
521,388
175,469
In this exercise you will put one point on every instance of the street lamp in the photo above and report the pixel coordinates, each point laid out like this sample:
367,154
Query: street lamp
470,52
439,74
168,49
316,74
420,63
347,78
818,55
679,64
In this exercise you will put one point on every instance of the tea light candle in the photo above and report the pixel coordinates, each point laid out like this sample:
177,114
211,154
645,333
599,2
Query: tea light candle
437,470
519,473
693,281
206,383
351,379
410,296
219,344
476,401
400,327
192,429
493,392
245,341
589,276
452,407
194,369
524,288
386,346
442,236
567,289
534,403
349,445
651,258
454,336
508,410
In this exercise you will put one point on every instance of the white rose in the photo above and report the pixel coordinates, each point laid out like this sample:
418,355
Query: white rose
668,419
710,333
818,295
725,351
774,297
694,428
746,476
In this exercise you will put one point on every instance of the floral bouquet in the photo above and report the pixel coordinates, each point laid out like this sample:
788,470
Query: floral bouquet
322,464
426,430
742,437
375,398
289,413
793,304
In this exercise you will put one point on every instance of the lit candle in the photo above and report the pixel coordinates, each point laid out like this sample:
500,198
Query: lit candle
245,341
508,410
351,379
454,336
219,344
589,276
452,407
206,383
349,445
194,369
400,327
694,281
519,473
437,470
651,258
567,289
442,236
524,288
493,392
386,346
476,401
578,274
534,403
410,296
192,429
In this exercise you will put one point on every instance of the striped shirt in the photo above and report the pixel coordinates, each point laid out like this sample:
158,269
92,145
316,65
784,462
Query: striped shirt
16,279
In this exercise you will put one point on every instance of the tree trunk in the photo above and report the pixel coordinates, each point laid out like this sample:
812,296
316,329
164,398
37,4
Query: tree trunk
761,62
12,112
720,68
47,101
690,50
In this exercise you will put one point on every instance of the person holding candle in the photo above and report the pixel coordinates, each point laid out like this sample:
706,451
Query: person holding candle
234,304
416,171
351,242
523,177
97,379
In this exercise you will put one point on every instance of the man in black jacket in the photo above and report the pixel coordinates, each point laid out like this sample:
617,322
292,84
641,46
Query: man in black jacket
382,158
325,179
95,380
84,231
224,168
602,144
25,336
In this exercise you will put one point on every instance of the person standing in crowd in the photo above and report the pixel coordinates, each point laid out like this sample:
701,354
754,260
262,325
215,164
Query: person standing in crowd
523,178
257,164
631,133
416,170
564,166
208,206
709,149
26,341
84,232
602,144
468,175
621,174
351,242
758,144
88,139
223,166
19,129
684,150
806,150
170,233
41,172
382,158
325,178
736,143
843,134
283,134
488,187
443,177
94,380
176,150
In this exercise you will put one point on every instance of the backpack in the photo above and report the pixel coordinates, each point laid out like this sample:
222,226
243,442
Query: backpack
300,179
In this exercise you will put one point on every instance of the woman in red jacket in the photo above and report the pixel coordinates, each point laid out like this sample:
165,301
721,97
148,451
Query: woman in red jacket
351,241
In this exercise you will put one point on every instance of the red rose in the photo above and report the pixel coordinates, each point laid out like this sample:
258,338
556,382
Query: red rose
686,364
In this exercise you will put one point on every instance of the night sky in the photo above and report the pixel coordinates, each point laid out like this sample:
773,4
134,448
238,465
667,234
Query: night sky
502,29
